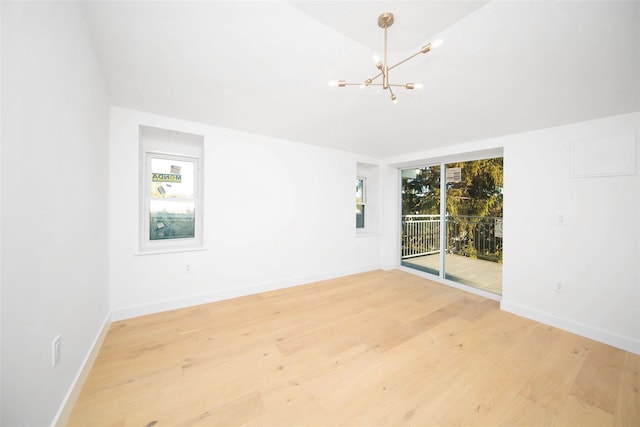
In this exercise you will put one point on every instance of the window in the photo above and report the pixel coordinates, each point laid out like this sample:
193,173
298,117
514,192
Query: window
368,199
360,202
171,188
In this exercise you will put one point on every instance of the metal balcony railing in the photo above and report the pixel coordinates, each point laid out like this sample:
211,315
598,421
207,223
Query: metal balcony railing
472,236
420,235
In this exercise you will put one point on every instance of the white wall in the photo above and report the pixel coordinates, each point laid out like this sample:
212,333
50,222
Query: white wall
368,238
390,218
595,254
54,205
277,213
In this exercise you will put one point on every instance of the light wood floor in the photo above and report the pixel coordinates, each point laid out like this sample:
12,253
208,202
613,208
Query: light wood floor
380,348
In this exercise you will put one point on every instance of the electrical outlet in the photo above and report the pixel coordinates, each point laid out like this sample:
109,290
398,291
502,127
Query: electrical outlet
187,268
55,351
559,287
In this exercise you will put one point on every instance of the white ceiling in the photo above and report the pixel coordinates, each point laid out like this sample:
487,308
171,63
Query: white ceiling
263,67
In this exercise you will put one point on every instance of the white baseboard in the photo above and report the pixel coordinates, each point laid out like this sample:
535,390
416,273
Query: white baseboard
62,417
157,307
623,343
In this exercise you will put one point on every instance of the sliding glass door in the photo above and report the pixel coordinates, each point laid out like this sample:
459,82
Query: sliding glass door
452,221
421,219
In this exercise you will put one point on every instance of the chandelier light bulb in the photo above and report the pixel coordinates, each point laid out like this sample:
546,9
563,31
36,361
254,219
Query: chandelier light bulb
432,45
394,98
414,86
378,61
337,83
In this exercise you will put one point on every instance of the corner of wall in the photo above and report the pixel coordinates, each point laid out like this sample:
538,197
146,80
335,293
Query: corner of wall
62,417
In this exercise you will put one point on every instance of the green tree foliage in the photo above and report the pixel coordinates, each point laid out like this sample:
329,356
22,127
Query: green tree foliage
479,193
421,191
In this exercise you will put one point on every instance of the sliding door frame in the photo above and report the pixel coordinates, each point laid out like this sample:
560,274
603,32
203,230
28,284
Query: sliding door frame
442,162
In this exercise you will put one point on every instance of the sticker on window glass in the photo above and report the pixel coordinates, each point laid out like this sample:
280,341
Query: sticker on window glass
172,179
166,177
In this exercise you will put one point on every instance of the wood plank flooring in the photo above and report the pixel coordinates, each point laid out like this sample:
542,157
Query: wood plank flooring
379,348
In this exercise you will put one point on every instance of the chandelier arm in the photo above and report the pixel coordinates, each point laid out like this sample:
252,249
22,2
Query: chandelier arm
378,84
370,84
394,98
405,60
375,77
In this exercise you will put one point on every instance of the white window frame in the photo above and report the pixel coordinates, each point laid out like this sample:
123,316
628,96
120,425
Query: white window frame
170,145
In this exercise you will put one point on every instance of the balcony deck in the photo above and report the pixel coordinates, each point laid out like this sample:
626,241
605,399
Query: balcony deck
485,275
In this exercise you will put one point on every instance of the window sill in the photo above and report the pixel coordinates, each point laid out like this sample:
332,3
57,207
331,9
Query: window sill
367,234
160,251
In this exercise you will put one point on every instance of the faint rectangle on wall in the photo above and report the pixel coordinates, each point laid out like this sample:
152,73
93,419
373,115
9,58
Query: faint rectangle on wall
611,155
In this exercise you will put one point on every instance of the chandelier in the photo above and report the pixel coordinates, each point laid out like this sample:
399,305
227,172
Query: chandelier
385,21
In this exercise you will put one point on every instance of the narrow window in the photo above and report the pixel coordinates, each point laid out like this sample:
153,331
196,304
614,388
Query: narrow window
360,202
171,186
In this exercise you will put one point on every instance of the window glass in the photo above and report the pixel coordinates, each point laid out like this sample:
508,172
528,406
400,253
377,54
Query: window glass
171,206
171,178
171,219
360,200
359,191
